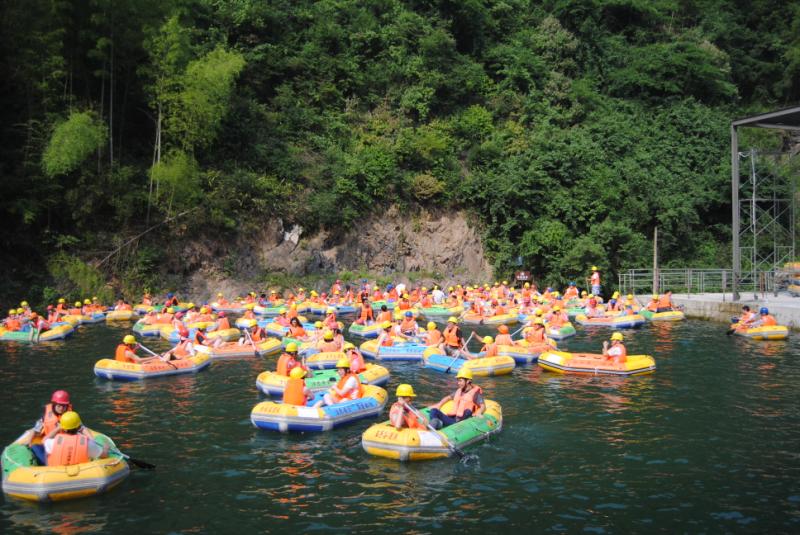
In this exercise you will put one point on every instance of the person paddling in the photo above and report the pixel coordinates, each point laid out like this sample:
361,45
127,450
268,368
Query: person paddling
296,392
617,353
53,411
467,402
126,351
348,388
69,443
402,414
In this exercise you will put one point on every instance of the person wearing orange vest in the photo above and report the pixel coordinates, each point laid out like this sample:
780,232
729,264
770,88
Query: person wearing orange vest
453,341
257,333
617,352
665,303
288,360
53,411
384,315
557,317
434,336
296,329
594,281
296,392
409,327
182,350
12,323
367,316
402,414
126,351
766,319
571,292
467,402
503,338
747,316
348,388
69,444
329,345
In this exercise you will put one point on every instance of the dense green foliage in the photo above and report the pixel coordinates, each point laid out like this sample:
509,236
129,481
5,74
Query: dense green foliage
570,127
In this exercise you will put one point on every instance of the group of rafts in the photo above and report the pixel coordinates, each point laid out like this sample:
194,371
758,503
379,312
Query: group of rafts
317,363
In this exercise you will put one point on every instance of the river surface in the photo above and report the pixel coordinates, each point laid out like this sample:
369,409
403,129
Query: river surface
709,443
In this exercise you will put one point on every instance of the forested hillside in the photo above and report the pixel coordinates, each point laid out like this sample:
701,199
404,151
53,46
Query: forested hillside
571,128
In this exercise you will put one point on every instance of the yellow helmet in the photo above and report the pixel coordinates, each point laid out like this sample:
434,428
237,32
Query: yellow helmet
348,346
219,294
556,308
584,292
464,373
452,319
505,283
386,325
615,295
297,373
343,362
431,326
617,336
318,324
655,296
406,391
87,302
20,311
594,268
629,296
314,293
538,321
330,310
488,339
375,288
70,420
424,289
291,347
61,300
450,289
171,310
23,304
527,285
204,310
77,303
94,298
12,311
129,339
328,335
538,311
405,296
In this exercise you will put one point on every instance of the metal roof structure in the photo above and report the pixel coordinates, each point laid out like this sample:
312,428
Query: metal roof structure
763,223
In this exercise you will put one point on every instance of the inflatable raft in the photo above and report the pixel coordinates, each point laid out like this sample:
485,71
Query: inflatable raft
365,331
771,332
120,315
480,366
500,319
272,310
316,360
272,384
399,314
560,333
149,329
229,335
672,315
23,477
232,308
383,440
615,322
441,311
595,364
170,334
232,350
59,331
399,351
279,331
523,353
272,416
114,370
142,309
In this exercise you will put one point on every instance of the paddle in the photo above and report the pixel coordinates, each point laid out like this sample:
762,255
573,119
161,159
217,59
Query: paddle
161,357
441,436
137,462
252,343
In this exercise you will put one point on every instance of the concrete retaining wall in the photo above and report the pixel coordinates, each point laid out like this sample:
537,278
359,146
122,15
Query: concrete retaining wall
711,307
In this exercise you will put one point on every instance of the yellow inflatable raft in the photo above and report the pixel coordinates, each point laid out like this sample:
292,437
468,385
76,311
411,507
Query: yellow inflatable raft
23,478
231,350
770,332
115,370
500,319
229,335
383,440
434,359
595,364
272,384
120,315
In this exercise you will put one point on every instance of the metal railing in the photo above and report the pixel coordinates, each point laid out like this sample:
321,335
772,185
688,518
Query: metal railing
694,281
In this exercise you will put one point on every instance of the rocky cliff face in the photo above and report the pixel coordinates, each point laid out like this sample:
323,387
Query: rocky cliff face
443,242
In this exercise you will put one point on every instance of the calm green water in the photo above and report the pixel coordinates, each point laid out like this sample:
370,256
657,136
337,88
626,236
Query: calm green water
708,444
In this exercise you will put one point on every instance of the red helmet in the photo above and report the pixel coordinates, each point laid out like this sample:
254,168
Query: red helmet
61,397
503,329
221,315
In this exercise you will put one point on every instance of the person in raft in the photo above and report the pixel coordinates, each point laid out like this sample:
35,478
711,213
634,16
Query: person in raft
402,414
296,392
53,411
288,361
765,320
665,303
126,352
70,444
349,386
467,402
617,352
453,340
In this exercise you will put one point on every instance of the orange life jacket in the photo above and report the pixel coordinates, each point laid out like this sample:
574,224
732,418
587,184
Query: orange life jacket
465,401
384,316
356,362
294,393
285,364
352,394
249,314
652,306
426,302
434,337
329,347
535,336
223,324
408,325
297,331
181,350
13,325
387,341
404,305
366,312
451,337
121,354
409,419
393,294
570,292
500,310
768,321
490,350
257,335
664,301
69,449
622,357
50,418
